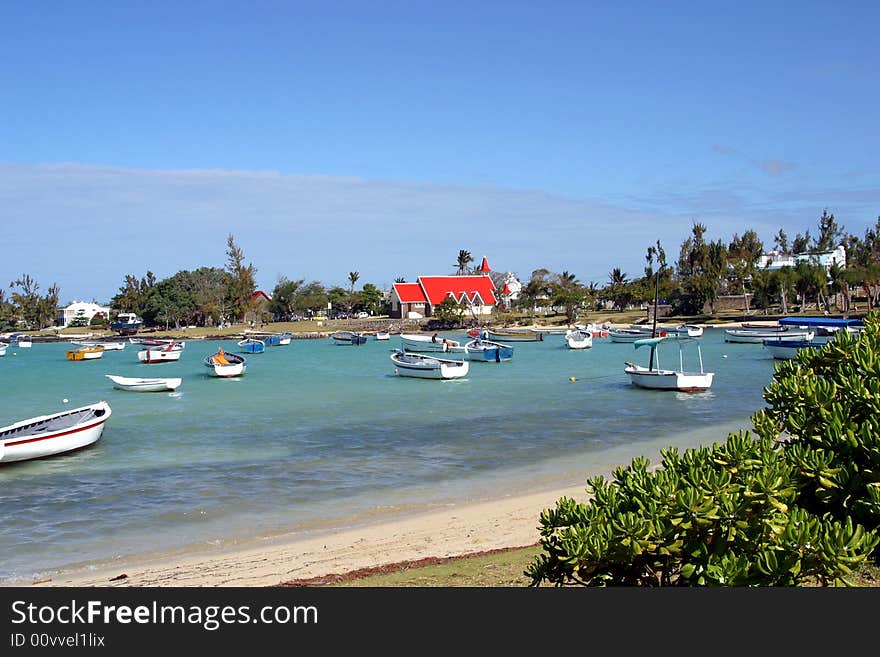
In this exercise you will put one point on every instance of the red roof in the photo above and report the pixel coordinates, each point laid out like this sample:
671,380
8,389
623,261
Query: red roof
484,267
437,288
410,293
506,289
260,293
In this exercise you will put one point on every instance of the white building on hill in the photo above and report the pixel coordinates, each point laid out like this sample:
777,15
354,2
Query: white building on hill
778,260
85,309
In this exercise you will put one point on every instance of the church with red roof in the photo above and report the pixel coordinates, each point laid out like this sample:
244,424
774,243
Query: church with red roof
475,292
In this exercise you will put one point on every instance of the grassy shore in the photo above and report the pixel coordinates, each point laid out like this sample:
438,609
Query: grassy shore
498,568
320,328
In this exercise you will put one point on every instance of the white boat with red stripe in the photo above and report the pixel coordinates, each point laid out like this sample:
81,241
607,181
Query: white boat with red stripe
58,433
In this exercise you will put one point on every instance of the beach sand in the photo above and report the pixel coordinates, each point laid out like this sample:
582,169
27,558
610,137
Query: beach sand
456,530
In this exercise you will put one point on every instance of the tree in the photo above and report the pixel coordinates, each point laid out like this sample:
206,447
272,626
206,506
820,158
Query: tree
801,242
701,266
618,289
353,277
743,254
568,293
284,297
449,312
31,308
133,294
464,259
830,234
372,299
241,283
780,241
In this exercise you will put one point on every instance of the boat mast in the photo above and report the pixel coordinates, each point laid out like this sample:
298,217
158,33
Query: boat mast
654,326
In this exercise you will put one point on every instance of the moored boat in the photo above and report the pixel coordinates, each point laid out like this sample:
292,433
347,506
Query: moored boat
421,366
348,337
754,336
169,353
252,346
108,346
144,385
579,339
788,349
22,341
426,343
512,335
3,347
57,433
85,353
224,364
655,378
383,335
488,351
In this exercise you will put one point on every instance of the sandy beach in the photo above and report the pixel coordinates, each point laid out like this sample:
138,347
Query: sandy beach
457,530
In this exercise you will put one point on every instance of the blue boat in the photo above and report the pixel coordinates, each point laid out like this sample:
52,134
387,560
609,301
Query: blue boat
277,339
788,349
488,351
252,346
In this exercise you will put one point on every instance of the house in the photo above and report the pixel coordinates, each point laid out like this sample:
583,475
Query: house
416,300
79,311
258,312
777,260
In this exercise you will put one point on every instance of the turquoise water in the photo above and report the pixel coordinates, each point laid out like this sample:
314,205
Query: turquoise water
318,434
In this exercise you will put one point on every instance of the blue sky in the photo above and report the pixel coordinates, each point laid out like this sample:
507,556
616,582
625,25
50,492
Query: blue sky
384,137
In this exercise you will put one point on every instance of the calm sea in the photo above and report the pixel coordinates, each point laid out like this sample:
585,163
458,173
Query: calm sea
318,434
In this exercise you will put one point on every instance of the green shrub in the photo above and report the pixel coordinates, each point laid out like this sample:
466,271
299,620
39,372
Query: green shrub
784,507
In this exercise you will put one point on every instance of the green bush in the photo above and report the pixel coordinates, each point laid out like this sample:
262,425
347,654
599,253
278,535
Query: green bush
796,504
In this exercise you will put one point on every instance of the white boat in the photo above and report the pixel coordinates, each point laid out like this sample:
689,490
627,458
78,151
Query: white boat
47,435
631,334
85,353
108,346
225,364
593,329
686,331
579,339
488,351
427,367
383,335
159,342
144,385
755,336
3,348
169,353
22,341
656,378
425,343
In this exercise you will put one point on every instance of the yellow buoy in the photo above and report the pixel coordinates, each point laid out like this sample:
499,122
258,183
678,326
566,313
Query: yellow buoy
571,378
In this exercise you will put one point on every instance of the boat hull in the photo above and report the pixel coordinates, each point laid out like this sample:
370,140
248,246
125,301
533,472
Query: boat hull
752,336
787,350
37,445
151,356
515,336
579,340
669,380
488,352
144,385
427,367
424,343
84,354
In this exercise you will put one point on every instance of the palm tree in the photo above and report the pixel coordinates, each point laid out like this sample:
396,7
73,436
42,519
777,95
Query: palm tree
353,277
464,259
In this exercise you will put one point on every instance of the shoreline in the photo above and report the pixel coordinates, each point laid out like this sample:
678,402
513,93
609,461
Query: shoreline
499,520
458,530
